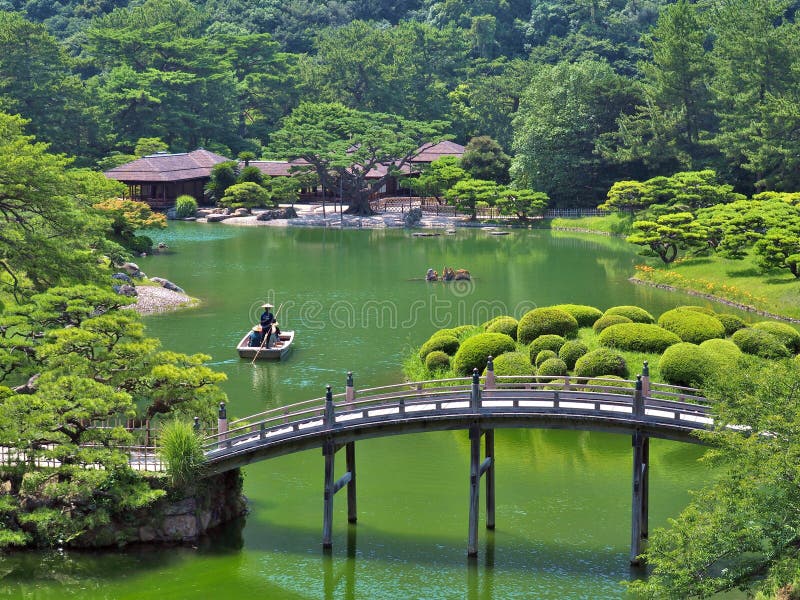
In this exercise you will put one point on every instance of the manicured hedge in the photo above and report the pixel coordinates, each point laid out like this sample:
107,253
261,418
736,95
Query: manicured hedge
701,309
600,362
787,334
685,364
542,321
692,326
598,385
474,351
608,321
760,342
507,325
634,313
439,341
456,332
513,363
731,323
723,354
584,315
546,342
543,356
638,337
437,360
572,351
552,367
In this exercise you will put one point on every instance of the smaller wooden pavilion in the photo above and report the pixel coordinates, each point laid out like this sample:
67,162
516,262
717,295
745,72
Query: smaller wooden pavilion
158,179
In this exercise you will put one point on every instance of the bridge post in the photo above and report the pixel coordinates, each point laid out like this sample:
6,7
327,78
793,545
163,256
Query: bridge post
350,459
638,398
349,390
475,394
197,424
489,382
639,512
645,379
330,417
222,422
329,452
489,451
474,487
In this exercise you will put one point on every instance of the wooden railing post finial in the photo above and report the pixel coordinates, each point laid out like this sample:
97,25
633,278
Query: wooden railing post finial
222,422
475,394
489,382
350,390
197,423
329,416
638,398
645,379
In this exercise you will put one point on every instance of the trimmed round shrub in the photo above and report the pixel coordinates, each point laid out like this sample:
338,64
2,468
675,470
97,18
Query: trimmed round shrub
185,206
731,323
513,363
701,309
760,343
601,362
608,321
634,313
443,342
692,326
723,354
542,321
572,351
638,337
546,342
599,384
787,334
543,356
475,351
507,325
685,364
456,332
437,361
584,315
552,367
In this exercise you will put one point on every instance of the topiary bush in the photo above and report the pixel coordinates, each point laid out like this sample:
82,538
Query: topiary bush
543,356
731,323
474,351
546,342
437,361
723,354
551,368
787,334
572,351
602,361
638,337
584,315
634,313
185,206
701,309
685,364
692,326
600,384
507,325
542,321
608,321
459,332
513,363
442,342
760,343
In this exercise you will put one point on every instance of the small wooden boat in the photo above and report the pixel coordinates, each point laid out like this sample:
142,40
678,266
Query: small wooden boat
275,351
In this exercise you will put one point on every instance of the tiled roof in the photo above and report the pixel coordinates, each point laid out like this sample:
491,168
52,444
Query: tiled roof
431,152
167,167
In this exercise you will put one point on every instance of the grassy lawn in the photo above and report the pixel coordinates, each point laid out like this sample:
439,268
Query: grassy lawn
613,224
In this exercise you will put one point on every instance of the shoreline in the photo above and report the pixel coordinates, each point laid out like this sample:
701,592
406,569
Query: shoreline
153,299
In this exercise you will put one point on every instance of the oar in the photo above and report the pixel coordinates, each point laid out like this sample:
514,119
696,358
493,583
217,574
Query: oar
266,336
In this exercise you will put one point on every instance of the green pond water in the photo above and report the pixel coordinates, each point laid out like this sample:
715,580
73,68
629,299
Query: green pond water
358,301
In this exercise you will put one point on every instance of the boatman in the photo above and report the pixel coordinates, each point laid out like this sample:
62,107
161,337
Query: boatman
256,337
267,318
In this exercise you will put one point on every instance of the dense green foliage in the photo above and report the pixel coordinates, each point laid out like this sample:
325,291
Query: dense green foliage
787,334
542,321
759,343
437,360
542,356
608,321
552,367
185,206
475,351
181,448
507,325
731,323
571,351
685,364
513,363
691,325
601,362
584,315
634,313
546,342
638,337
441,341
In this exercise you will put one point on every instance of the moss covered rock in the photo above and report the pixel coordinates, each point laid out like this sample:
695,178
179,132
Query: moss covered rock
507,325
634,313
691,325
638,337
602,361
608,321
437,361
571,351
552,367
475,351
439,341
584,315
513,363
760,343
685,364
787,334
731,323
543,321
543,356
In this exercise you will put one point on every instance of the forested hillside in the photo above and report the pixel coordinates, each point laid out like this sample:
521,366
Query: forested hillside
581,93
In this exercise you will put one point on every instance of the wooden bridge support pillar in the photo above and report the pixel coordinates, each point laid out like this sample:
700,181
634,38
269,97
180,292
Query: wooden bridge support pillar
640,493
350,460
329,450
477,469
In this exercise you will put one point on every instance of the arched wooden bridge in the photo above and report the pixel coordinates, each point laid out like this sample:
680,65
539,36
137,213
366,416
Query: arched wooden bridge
637,408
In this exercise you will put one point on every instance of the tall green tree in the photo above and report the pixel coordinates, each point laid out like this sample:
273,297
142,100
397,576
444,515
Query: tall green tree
484,159
469,194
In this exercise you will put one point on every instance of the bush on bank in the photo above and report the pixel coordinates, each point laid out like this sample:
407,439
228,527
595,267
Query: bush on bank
691,325
507,325
634,313
602,361
609,320
571,351
760,343
546,342
437,361
441,342
584,315
638,337
685,364
543,356
543,321
474,351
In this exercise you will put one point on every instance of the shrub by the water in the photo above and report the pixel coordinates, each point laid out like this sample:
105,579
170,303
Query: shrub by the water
552,367
692,326
185,206
542,321
437,361
507,325
787,334
546,342
600,362
513,363
584,315
572,351
638,337
443,342
180,447
685,364
543,356
457,332
634,313
475,351
600,384
608,321
731,323
760,342
701,309
723,354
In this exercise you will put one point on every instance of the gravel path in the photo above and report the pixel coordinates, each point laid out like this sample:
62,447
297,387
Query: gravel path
153,299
